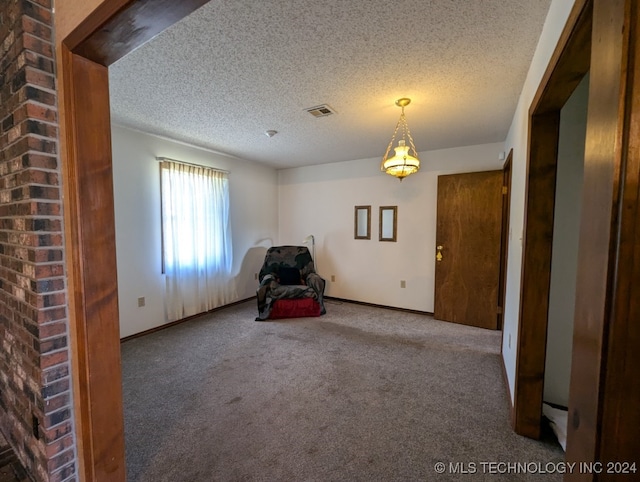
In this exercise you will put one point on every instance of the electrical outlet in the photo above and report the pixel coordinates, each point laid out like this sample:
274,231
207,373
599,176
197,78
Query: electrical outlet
141,302
509,340
333,277
403,284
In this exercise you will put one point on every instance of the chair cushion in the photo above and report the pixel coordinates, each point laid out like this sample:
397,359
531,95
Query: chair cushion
289,276
294,308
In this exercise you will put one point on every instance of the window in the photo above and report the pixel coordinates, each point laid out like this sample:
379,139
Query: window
196,238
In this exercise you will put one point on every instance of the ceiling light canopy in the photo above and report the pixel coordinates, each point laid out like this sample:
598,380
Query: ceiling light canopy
405,161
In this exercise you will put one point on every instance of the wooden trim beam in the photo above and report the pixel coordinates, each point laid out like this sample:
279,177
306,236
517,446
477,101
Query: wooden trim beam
128,25
92,265
544,131
569,62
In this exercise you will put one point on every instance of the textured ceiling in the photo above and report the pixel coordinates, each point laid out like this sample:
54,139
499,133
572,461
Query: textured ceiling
235,68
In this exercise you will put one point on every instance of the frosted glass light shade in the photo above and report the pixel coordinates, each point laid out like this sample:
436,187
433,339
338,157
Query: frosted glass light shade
402,163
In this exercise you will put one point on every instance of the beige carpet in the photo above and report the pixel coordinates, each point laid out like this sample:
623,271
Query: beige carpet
360,394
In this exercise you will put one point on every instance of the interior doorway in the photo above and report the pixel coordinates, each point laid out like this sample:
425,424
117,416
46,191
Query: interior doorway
569,64
564,256
114,29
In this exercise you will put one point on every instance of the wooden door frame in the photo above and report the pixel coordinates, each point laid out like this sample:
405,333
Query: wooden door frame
118,26
568,65
504,237
603,386
114,29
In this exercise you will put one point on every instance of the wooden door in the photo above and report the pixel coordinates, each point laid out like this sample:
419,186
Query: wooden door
468,248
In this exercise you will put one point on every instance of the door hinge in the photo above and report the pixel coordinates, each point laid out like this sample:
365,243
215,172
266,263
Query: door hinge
499,310
505,190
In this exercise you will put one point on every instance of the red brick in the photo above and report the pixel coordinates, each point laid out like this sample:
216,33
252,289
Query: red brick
59,431
56,403
37,12
54,418
49,271
37,45
53,359
38,29
34,372
42,112
47,285
55,327
65,474
51,345
59,445
39,78
50,300
45,208
39,160
38,61
46,255
43,3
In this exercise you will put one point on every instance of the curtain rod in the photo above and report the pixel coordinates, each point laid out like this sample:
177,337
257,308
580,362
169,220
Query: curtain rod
160,159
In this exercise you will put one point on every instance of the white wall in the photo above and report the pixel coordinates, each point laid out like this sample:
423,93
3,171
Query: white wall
566,232
517,140
136,178
320,200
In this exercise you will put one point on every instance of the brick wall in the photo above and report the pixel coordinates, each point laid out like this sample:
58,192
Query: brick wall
36,415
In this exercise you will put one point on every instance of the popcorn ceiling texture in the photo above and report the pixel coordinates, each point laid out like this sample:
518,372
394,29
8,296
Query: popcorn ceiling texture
236,68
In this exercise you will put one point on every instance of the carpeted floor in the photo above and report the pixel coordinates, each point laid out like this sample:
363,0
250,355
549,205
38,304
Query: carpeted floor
360,394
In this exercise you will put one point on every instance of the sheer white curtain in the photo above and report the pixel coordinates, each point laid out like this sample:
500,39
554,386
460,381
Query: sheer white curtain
196,237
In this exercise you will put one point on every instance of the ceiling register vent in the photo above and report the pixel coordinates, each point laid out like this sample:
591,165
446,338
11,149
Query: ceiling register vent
320,110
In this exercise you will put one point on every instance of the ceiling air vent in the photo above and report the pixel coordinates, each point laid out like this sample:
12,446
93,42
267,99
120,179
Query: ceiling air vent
320,110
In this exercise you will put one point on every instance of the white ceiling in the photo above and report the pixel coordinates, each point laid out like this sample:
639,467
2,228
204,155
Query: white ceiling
235,68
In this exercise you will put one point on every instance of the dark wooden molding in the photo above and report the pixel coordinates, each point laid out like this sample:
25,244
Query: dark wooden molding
568,65
621,398
183,320
504,238
374,305
605,387
544,131
120,26
569,62
93,22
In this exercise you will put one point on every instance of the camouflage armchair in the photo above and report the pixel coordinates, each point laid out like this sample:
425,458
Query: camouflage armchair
281,260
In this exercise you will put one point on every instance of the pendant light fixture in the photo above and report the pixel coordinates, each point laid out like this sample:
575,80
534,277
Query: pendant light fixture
405,161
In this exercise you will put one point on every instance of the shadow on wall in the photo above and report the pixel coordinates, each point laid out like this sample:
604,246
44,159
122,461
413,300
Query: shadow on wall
251,264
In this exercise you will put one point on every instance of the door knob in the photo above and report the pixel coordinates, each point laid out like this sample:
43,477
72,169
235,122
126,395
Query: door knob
439,253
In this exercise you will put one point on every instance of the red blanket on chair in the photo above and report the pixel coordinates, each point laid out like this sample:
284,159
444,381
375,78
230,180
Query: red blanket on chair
297,308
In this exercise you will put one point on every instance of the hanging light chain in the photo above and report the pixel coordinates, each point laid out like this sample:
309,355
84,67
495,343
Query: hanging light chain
413,147
393,138
406,133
